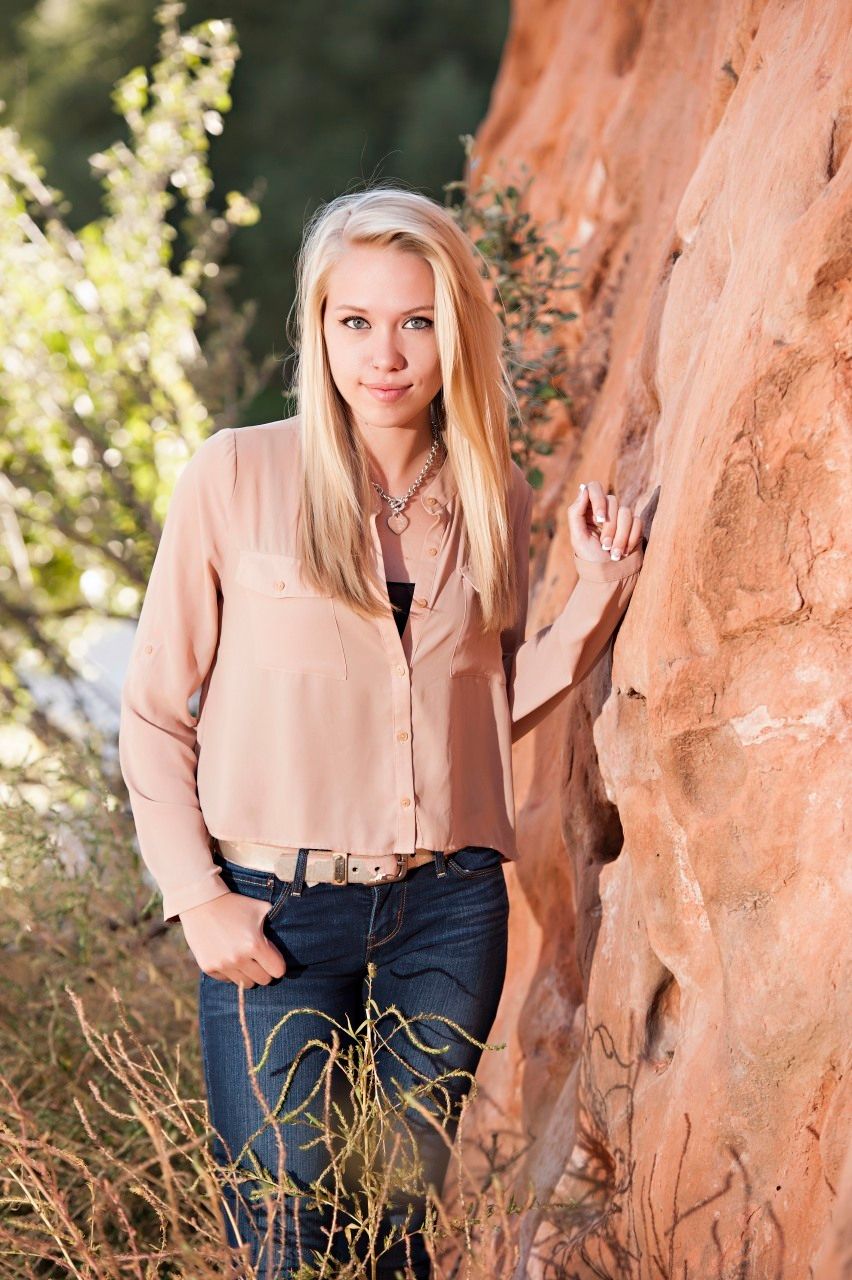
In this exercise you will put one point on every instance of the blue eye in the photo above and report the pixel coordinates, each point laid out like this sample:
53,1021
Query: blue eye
427,323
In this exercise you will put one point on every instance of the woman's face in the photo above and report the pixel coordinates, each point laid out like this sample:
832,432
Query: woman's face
379,327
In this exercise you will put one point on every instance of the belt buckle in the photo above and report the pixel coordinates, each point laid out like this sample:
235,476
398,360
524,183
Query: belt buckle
401,868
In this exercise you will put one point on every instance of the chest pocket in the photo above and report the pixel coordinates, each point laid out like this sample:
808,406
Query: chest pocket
291,625
476,652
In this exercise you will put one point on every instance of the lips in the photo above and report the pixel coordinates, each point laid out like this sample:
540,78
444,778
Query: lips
386,394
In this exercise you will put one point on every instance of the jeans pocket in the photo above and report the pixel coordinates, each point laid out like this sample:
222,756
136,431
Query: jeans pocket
248,880
475,860
253,883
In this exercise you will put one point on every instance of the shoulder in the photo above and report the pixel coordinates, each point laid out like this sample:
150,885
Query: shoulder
521,491
269,448
213,463
265,443
283,432
220,456
234,452
204,487
519,481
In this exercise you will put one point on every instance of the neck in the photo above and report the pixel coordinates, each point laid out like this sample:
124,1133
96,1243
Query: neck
396,455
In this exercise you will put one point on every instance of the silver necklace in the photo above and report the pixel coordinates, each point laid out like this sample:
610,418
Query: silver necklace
397,520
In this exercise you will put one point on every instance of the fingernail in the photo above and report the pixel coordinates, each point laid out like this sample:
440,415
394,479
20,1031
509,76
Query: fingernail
616,554
606,543
599,518
582,486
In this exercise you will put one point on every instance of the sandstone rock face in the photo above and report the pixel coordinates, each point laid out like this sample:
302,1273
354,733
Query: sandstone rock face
678,1003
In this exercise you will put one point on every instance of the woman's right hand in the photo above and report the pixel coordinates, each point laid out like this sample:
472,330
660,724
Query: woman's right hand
226,937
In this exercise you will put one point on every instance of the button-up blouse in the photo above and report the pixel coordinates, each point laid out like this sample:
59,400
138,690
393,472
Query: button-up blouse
314,729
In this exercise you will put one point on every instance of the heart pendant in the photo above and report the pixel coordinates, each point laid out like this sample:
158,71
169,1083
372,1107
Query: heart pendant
397,521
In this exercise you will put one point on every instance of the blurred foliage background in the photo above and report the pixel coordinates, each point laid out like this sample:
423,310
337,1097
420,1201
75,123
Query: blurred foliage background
155,175
324,95
156,168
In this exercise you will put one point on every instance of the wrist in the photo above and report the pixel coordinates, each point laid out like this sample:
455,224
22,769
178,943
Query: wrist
605,569
198,906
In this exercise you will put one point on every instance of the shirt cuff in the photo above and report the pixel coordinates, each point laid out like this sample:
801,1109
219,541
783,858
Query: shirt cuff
609,570
192,895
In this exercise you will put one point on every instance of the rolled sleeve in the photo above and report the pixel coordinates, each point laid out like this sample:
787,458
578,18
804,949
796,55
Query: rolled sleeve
173,651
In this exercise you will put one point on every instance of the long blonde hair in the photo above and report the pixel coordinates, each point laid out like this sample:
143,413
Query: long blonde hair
334,540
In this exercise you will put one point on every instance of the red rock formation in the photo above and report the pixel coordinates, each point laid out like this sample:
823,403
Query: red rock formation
678,1011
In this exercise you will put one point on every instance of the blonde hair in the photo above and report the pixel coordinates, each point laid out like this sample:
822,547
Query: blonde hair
334,538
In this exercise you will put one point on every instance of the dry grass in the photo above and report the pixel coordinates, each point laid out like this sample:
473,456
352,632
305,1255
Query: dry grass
105,1162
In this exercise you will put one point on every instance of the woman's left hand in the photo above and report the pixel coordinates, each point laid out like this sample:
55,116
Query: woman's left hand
601,529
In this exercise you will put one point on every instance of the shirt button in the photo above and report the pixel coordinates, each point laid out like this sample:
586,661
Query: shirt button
421,602
279,586
402,735
405,802
401,670
432,551
149,648
431,502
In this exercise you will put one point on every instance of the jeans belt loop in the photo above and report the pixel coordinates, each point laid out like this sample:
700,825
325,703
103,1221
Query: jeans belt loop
299,876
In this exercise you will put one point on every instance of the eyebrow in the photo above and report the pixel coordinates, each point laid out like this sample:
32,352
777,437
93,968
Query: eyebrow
350,306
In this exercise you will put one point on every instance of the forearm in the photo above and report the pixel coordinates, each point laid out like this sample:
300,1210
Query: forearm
559,656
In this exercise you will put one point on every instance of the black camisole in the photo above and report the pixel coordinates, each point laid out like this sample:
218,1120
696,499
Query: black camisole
400,594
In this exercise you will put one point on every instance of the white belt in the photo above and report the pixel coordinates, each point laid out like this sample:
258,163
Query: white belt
324,865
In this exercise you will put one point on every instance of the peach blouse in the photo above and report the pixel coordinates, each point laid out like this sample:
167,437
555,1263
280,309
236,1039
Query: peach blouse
314,729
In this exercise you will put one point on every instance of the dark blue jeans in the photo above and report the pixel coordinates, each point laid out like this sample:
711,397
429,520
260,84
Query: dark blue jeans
436,945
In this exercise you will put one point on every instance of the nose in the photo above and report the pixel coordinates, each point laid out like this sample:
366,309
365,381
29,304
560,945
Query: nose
385,351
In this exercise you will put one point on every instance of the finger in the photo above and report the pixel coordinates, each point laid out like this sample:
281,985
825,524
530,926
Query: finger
608,526
598,499
581,501
623,525
237,974
244,972
233,973
580,509
255,972
635,537
270,958
265,952
580,515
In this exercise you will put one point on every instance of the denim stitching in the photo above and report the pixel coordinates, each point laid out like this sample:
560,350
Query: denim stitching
475,872
250,882
369,930
395,930
285,897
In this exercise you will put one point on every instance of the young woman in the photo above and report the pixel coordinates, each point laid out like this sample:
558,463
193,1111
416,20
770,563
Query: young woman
349,590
